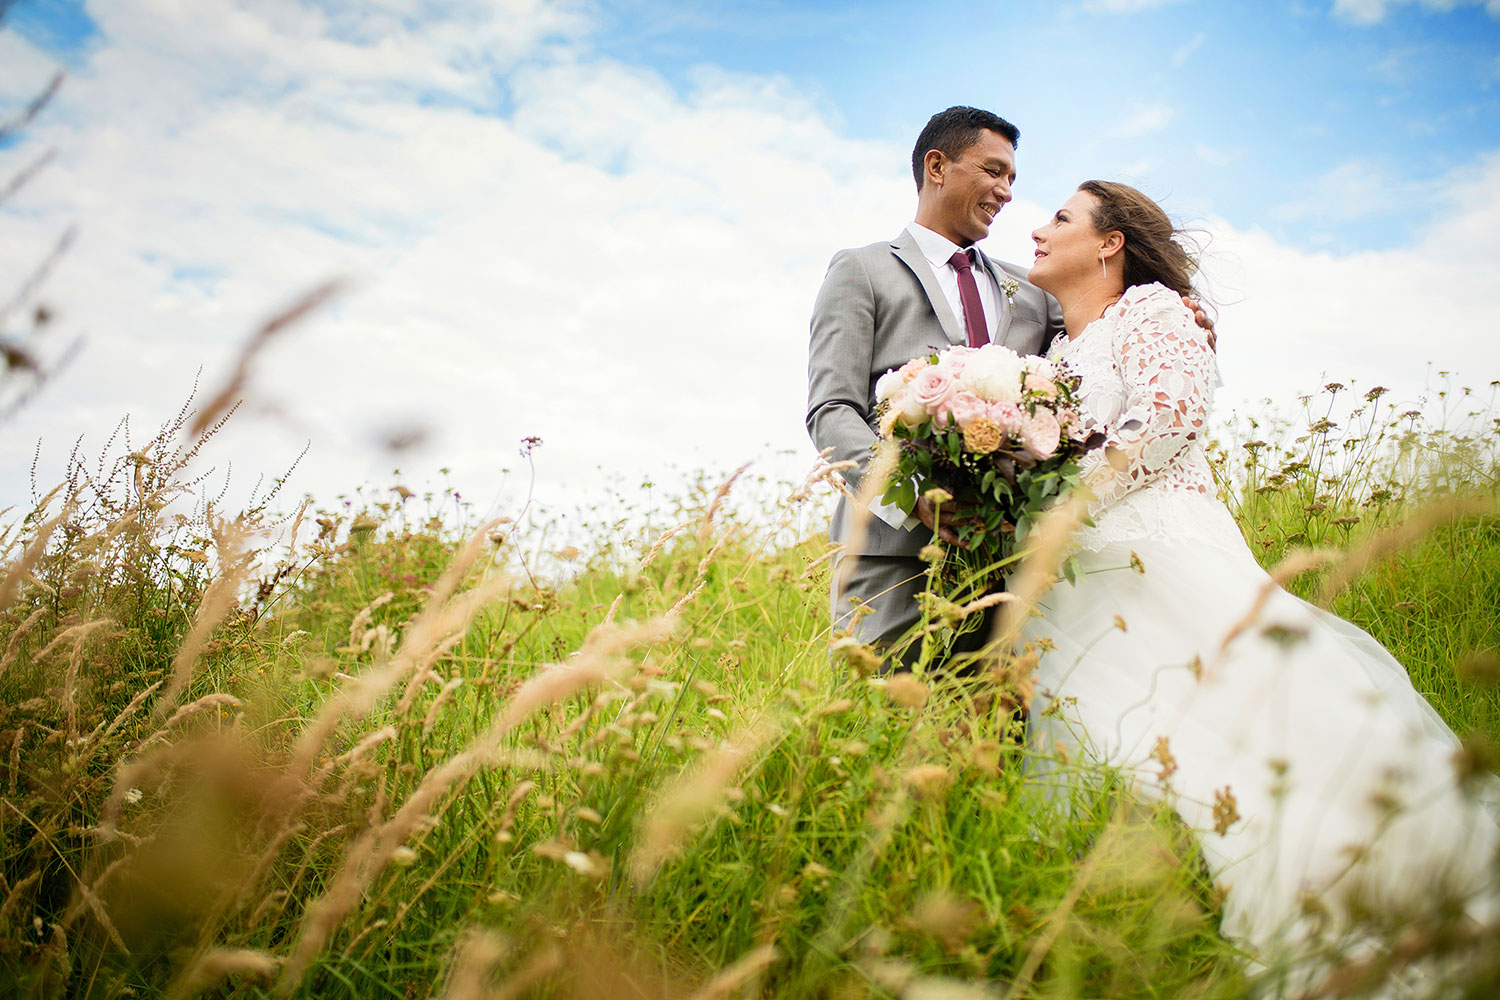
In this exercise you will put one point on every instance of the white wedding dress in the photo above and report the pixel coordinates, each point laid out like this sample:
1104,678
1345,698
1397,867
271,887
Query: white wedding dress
1333,778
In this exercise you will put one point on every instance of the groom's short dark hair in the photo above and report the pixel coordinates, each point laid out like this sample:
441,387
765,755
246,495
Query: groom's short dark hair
955,130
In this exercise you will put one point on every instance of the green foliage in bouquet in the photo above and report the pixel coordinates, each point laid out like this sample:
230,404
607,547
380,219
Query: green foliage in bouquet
993,439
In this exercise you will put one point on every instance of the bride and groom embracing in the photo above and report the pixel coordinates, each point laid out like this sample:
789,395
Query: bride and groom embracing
1319,783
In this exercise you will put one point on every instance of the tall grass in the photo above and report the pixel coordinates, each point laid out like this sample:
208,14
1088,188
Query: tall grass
357,753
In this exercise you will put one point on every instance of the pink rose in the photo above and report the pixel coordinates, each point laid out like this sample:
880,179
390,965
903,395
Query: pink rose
1006,416
966,407
931,388
1042,385
912,368
1041,433
952,360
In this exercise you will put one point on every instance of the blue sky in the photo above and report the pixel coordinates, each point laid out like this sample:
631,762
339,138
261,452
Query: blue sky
1269,108
1265,101
1341,157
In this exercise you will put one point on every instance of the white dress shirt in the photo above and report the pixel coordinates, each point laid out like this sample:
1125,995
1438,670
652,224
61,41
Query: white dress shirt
938,250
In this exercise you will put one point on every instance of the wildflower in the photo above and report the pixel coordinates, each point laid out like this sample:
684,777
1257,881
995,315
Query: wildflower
132,795
906,691
1136,564
1475,759
403,857
928,781
1225,812
1285,636
1480,667
984,756
861,659
591,864
938,495
1162,754
931,554
948,919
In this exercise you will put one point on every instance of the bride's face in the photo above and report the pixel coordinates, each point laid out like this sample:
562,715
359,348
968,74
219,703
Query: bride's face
1067,247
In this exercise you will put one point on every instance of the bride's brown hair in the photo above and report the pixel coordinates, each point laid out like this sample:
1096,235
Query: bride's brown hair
1152,251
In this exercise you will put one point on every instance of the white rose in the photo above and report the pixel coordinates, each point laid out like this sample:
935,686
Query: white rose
993,373
888,385
1041,366
912,412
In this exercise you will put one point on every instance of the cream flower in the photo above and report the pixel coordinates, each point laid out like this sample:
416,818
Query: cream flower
994,374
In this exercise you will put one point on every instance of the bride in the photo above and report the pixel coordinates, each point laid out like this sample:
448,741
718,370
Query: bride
1319,783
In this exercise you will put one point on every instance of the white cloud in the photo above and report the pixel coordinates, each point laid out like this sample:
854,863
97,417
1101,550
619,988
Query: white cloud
1377,317
1143,120
23,72
1374,11
1187,48
1351,190
619,267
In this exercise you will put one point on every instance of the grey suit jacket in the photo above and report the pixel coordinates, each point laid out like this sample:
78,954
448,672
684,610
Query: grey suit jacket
879,307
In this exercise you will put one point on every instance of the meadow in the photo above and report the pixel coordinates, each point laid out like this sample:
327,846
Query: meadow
386,751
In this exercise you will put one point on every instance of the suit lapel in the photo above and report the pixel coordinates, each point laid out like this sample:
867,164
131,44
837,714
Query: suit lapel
905,248
1004,304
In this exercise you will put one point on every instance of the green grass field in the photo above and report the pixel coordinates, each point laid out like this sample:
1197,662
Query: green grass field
366,754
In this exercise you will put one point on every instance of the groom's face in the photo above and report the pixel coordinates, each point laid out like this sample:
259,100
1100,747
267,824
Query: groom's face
974,188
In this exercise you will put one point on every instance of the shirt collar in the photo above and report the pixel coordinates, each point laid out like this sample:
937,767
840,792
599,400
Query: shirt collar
936,248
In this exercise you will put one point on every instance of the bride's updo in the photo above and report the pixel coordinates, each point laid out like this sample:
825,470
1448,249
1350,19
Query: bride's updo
1152,251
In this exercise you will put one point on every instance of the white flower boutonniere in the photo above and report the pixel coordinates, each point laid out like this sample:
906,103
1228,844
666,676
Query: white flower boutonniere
1009,287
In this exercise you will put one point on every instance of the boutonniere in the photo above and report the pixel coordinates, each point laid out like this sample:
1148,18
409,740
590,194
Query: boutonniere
1009,287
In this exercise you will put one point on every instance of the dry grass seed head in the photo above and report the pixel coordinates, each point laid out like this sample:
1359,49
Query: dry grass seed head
20,570
692,798
475,958
601,659
214,967
234,566
906,691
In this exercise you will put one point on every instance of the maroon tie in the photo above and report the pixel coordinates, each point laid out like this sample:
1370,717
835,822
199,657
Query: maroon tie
968,294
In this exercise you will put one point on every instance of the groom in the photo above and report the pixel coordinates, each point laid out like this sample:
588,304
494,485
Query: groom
884,304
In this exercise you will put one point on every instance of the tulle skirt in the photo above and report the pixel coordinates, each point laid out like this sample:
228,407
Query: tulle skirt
1318,781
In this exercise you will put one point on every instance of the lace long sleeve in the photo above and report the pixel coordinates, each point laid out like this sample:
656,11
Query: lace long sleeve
1168,372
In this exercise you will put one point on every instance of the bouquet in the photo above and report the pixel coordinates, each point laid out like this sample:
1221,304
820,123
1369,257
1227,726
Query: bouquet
994,437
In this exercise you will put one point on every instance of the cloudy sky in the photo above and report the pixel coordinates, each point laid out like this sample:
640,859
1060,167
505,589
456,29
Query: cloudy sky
604,223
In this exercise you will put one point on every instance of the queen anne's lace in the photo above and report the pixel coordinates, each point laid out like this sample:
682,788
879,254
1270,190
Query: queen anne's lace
1148,380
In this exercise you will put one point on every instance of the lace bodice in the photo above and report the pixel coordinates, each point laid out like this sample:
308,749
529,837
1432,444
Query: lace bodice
1148,376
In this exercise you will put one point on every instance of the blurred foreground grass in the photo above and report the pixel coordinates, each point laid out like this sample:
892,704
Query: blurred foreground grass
359,754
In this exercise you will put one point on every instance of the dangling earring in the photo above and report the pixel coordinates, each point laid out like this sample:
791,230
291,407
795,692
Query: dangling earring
1103,268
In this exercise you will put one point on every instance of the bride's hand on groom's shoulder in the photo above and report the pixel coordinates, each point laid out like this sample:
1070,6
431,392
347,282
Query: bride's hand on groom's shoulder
1202,320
